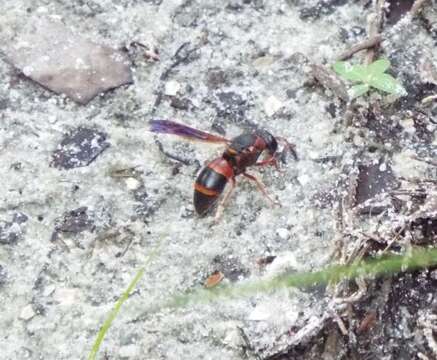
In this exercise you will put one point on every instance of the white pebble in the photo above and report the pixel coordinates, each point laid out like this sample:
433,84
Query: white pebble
66,296
171,88
27,313
132,183
283,233
272,105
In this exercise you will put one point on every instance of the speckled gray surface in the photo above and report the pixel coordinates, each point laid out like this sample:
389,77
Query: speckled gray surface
89,229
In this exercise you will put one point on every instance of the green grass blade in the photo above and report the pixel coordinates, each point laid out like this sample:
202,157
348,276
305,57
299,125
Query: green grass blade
387,83
112,315
378,66
351,72
378,267
116,309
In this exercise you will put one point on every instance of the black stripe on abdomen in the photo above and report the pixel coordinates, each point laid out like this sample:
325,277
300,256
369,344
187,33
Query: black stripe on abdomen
208,188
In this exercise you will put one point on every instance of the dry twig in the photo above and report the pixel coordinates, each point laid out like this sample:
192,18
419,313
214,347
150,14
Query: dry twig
355,297
366,44
340,324
374,28
417,7
429,99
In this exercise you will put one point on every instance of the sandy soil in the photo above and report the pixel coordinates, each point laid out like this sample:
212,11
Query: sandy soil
72,239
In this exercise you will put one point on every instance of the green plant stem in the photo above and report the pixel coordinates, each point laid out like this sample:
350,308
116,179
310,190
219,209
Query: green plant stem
116,309
417,259
386,266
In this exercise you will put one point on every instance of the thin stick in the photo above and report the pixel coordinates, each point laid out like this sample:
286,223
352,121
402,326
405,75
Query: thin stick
375,25
366,44
340,324
417,7
429,99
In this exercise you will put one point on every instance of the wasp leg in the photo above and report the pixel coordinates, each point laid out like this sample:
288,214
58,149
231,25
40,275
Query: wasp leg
261,188
271,160
223,202
289,147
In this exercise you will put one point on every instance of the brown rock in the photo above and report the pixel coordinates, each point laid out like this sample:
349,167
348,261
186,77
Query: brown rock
66,63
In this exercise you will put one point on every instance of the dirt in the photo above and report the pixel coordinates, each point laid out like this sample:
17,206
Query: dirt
88,193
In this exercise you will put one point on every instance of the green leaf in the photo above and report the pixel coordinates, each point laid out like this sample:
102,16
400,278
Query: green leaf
387,83
358,90
351,72
378,66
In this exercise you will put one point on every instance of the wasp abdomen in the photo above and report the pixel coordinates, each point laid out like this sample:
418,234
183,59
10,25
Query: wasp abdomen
210,184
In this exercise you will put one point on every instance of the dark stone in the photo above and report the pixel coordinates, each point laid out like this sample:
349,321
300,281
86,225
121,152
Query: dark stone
140,194
235,5
404,57
230,267
414,293
8,235
20,218
322,8
325,199
427,227
422,134
180,103
79,148
331,109
238,5
232,106
216,78
383,128
148,205
397,9
292,93
10,231
154,2
257,4
75,221
17,166
4,104
372,181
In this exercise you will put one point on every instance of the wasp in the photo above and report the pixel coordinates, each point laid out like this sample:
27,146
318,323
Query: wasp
241,152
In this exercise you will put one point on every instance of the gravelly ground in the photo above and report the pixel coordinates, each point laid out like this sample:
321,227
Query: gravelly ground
55,291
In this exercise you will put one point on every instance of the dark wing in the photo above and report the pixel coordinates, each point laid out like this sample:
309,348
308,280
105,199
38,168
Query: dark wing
171,127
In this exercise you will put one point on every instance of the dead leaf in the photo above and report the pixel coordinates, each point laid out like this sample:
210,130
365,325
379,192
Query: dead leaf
67,63
214,279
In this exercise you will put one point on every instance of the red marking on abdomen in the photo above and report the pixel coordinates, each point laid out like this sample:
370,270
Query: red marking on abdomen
222,167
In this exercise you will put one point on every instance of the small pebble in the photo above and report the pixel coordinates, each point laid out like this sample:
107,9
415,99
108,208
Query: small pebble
66,296
27,313
408,125
283,233
172,88
132,183
272,105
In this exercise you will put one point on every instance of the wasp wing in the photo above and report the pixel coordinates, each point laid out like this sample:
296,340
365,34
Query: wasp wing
172,127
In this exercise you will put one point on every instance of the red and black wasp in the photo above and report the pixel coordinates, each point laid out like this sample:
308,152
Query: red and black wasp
241,152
